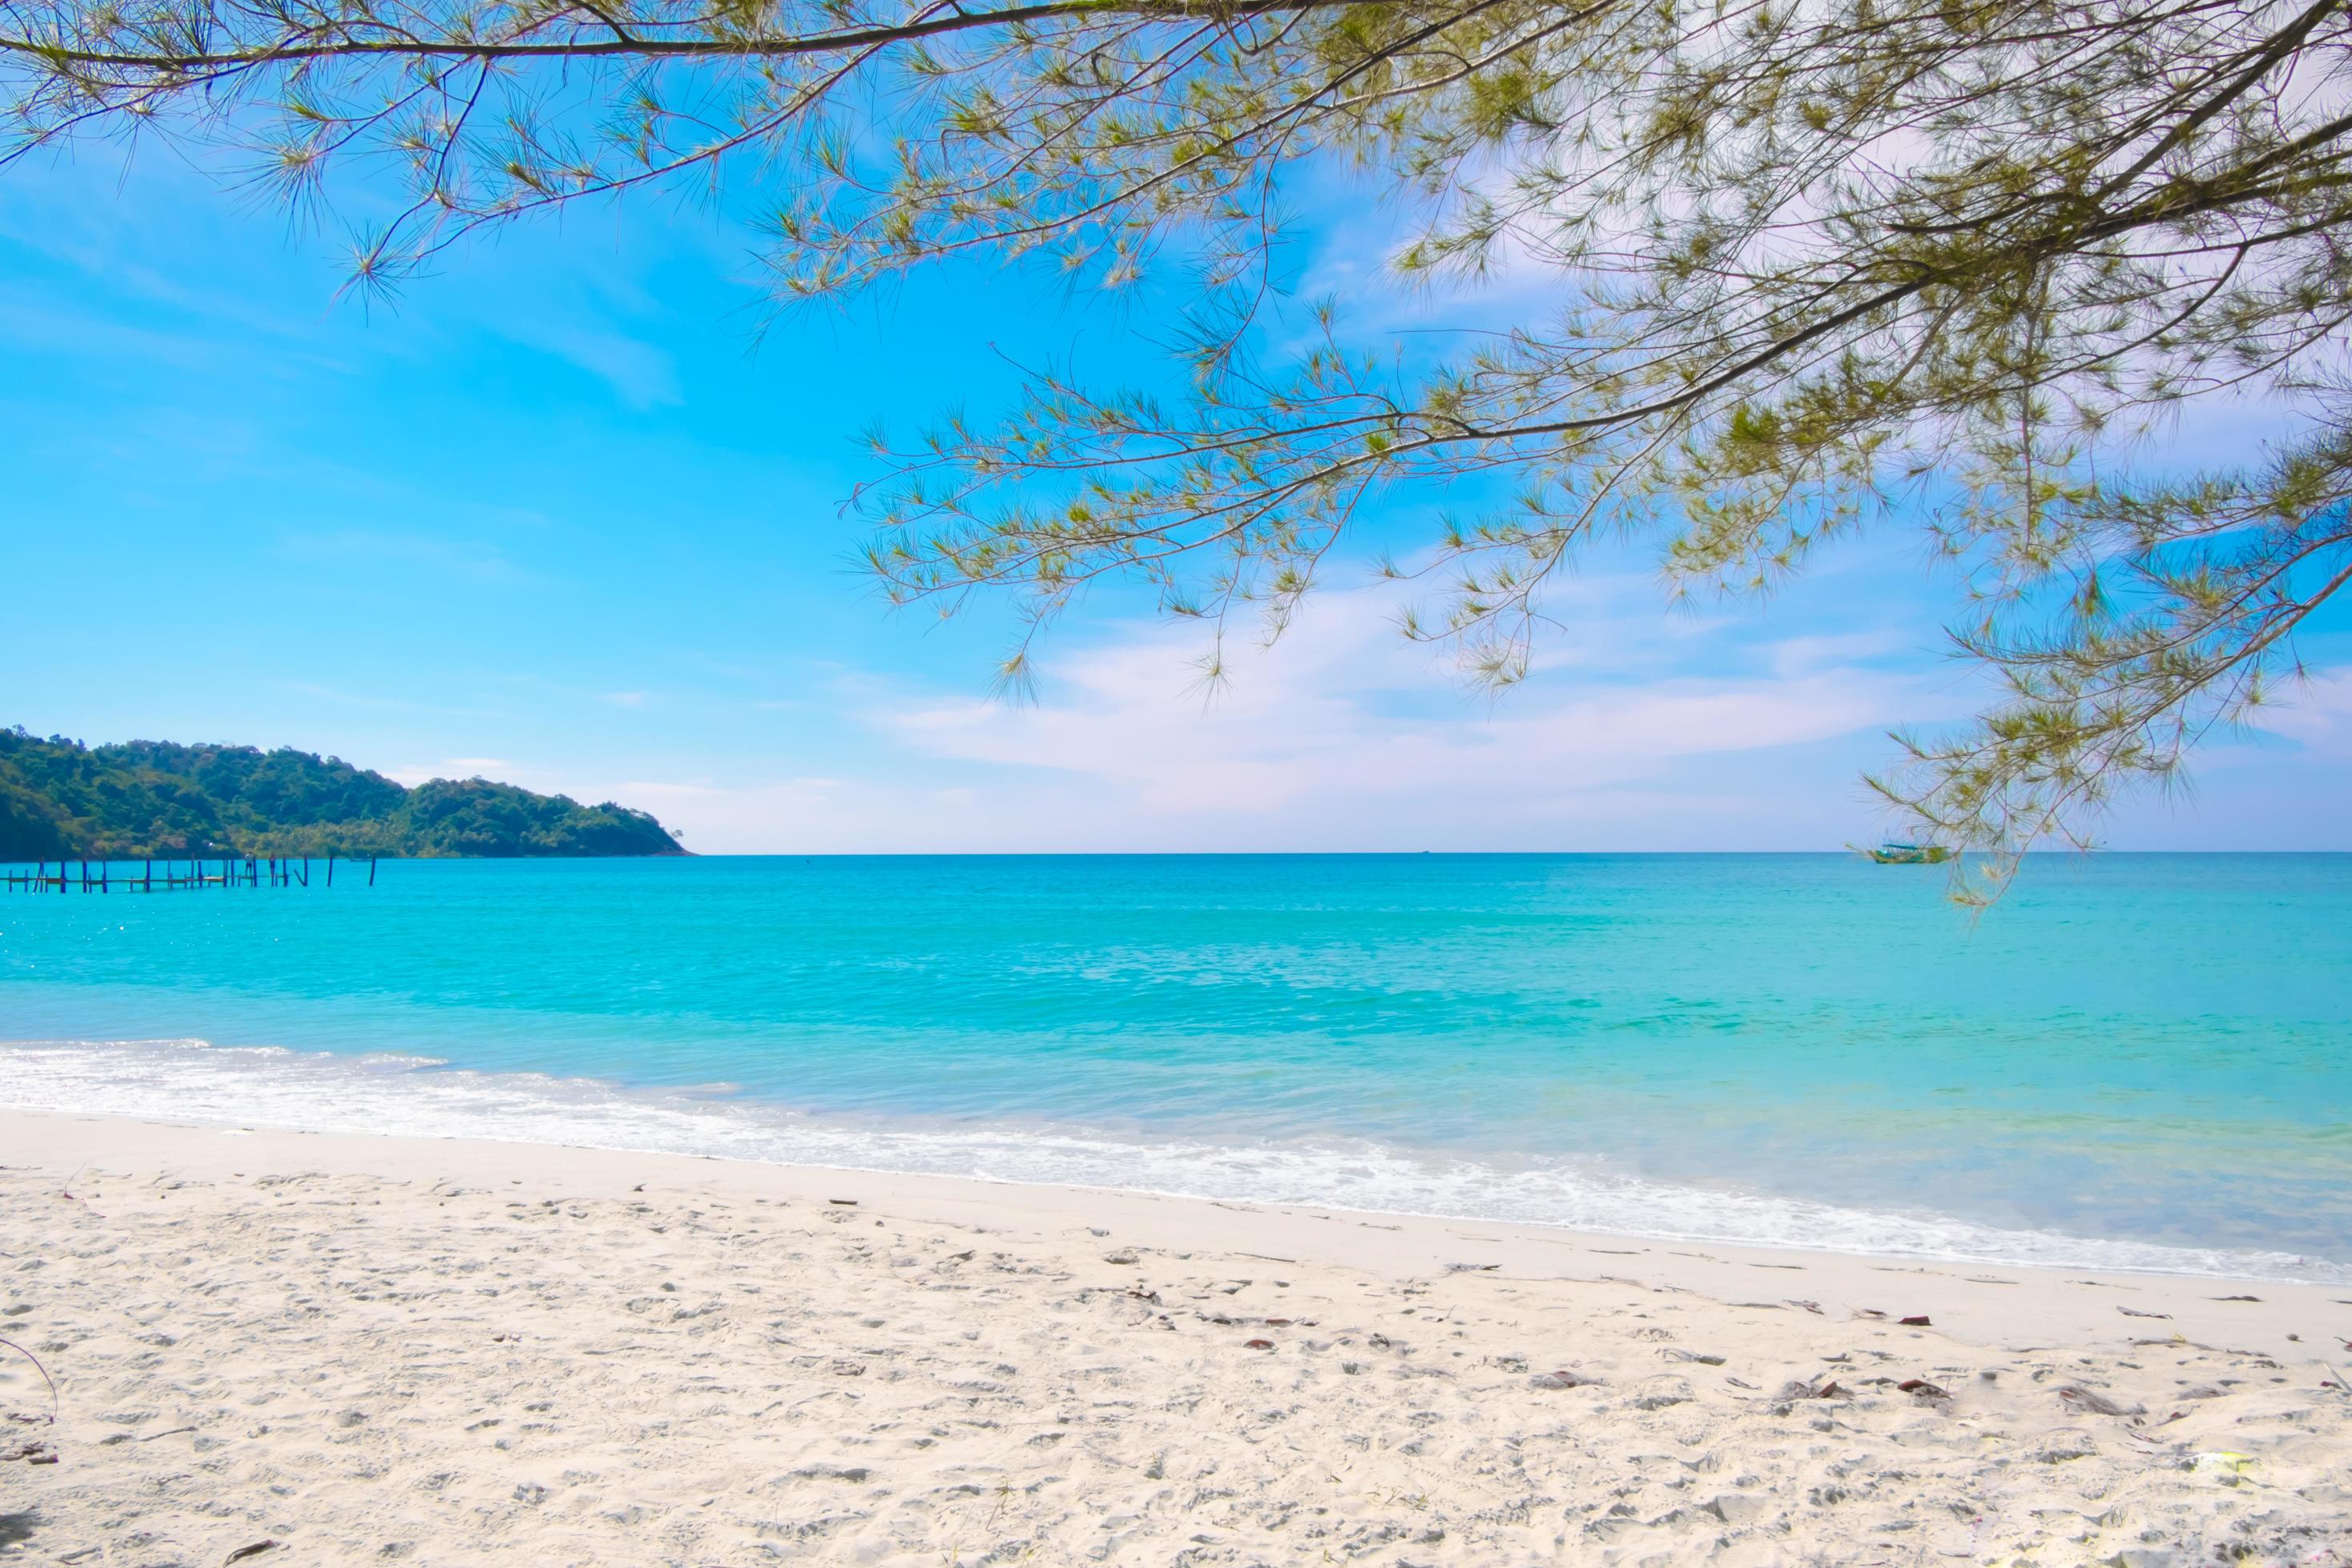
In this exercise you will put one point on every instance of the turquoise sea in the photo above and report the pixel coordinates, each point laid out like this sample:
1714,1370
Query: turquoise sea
2136,1061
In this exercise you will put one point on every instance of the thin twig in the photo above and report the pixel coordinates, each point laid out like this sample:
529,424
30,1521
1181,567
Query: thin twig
56,1404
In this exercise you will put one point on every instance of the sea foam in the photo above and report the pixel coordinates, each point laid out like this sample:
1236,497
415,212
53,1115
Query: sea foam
415,1095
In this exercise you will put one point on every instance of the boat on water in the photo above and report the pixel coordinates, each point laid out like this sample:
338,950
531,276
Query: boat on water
1910,854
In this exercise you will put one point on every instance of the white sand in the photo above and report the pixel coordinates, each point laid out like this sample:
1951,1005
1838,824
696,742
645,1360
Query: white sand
421,1351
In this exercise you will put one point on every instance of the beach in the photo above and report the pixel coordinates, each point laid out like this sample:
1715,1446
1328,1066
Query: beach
441,1350
1618,836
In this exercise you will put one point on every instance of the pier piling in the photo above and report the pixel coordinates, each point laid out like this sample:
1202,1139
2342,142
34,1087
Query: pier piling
247,870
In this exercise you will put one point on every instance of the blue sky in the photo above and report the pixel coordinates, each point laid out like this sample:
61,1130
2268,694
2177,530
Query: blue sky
565,517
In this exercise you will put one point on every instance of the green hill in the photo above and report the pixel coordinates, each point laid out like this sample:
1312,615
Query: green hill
61,798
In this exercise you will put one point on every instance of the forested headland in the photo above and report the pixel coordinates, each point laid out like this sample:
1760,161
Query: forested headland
60,798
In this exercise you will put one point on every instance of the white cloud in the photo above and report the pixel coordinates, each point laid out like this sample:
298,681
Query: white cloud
640,374
1347,736
1799,655
1296,730
471,560
657,789
2317,711
1332,715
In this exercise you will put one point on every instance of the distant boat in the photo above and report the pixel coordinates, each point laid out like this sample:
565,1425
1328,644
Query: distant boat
1910,854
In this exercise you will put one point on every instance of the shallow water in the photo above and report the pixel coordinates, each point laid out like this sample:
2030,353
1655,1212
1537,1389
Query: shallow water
2136,1061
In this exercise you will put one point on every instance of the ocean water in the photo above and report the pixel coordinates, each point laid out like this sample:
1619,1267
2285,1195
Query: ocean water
2135,1062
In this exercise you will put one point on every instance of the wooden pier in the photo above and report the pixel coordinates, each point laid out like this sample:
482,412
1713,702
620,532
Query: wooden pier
177,873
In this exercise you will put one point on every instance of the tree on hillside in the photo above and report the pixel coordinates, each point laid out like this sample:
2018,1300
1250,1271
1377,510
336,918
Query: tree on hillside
1816,263
152,798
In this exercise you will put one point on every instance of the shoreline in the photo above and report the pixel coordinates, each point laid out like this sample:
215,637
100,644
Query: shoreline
447,1350
1985,1303
404,1094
